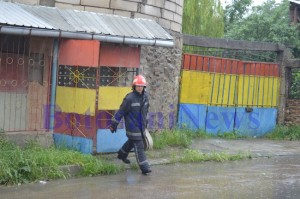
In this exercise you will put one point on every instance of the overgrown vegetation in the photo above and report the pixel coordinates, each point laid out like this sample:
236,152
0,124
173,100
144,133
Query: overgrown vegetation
295,84
36,163
190,155
269,22
184,137
285,133
203,18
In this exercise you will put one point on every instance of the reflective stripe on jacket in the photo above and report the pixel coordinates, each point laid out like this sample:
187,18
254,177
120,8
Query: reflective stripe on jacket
134,109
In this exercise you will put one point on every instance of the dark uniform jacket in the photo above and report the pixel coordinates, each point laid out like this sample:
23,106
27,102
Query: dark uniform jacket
134,109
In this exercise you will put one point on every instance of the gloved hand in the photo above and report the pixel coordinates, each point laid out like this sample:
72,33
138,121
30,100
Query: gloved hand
113,129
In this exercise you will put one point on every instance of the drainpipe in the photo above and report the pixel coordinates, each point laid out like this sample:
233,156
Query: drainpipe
53,83
87,36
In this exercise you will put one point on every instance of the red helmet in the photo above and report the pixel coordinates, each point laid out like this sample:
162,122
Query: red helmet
139,80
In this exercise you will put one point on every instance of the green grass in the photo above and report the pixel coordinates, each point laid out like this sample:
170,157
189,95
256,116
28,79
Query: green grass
284,133
184,137
190,155
36,163
172,138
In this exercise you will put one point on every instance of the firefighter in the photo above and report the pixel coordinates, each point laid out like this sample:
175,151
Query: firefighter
134,109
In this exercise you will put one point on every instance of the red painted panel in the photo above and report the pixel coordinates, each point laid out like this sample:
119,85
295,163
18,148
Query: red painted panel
193,62
75,124
13,73
79,52
229,66
247,68
61,123
276,72
234,66
186,61
273,70
120,56
215,65
241,68
260,69
206,64
200,63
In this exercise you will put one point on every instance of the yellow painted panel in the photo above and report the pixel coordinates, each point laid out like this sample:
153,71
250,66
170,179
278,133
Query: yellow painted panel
247,87
268,91
195,87
110,98
223,89
76,100
257,91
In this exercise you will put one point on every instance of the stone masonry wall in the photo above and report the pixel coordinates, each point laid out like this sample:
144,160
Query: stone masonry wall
161,66
292,115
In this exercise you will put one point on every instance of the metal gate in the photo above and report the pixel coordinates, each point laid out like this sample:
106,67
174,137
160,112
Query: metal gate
221,95
24,82
90,88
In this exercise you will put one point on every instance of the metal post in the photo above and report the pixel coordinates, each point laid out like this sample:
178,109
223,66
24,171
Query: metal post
53,82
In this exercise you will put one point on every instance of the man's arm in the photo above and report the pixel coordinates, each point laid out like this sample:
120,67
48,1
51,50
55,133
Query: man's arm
118,116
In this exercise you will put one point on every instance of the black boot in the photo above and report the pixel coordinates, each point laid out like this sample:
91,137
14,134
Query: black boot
146,171
125,160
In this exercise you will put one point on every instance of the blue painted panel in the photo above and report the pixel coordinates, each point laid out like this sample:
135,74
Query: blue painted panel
62,140
84,145
255,123
192,116
219,119
110,142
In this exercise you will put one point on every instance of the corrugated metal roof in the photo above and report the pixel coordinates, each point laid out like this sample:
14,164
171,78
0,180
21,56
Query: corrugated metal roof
295,1
51,18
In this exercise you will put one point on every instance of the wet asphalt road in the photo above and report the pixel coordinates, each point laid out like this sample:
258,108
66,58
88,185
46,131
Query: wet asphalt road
276,177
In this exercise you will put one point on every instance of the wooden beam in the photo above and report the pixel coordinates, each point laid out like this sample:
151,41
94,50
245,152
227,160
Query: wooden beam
191,40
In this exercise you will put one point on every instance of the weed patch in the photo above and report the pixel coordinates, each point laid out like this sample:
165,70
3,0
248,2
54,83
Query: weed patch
285,133
36,163
190,155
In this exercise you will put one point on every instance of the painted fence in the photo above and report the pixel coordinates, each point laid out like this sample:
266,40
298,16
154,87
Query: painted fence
24,82
90,88
221,95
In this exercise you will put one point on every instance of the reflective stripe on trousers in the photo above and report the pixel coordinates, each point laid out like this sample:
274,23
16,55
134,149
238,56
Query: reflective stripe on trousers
140,155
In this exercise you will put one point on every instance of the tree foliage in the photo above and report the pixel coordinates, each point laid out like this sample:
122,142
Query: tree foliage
295,85
202,18
236,11
269,22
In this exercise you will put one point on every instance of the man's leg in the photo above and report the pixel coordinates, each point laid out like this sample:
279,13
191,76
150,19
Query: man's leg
123,152
141,156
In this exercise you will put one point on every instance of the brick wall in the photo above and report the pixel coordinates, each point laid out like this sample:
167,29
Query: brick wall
292,115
